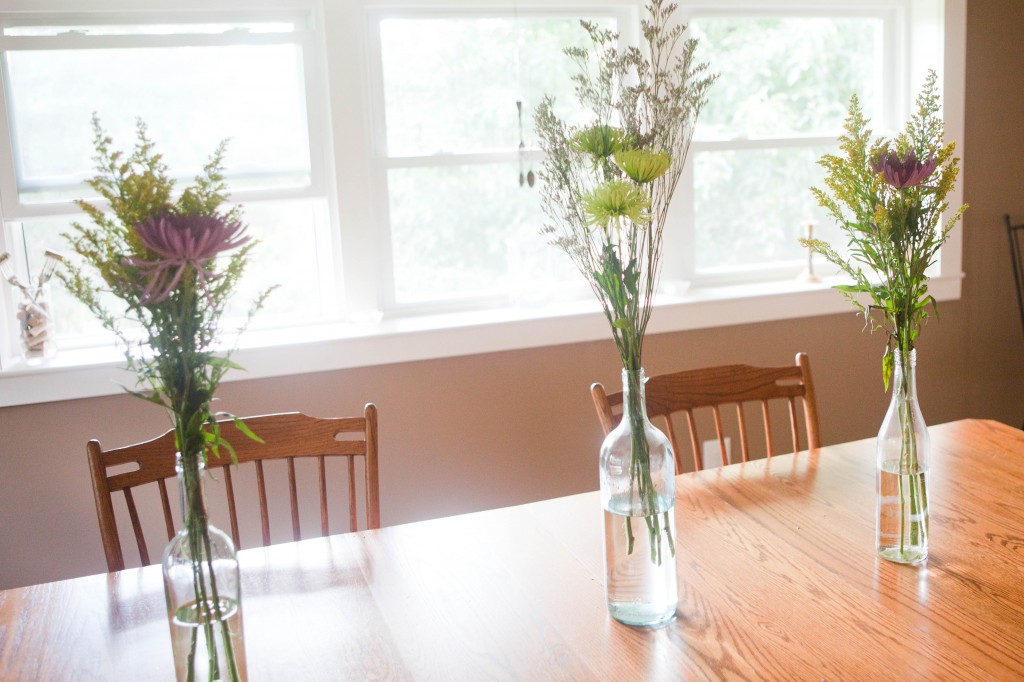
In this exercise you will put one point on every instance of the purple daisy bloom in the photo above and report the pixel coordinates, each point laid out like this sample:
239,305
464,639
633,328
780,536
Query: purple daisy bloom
908,172
182,241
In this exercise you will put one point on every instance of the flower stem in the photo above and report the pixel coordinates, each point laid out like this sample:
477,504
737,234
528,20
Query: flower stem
208,604
640,470
912,492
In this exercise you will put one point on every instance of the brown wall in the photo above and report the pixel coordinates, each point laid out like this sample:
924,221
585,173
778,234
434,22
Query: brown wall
490,430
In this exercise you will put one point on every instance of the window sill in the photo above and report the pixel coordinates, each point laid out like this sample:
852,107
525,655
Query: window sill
98,372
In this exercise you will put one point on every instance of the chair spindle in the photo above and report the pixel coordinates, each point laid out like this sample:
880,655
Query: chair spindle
670,431
229,492
767,428
741,420
261,485
133,514
165,503
325,525
718,432
293,496
352,512
698,459
793,425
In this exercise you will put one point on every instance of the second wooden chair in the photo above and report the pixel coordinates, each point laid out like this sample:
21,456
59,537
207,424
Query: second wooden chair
286,437
715,387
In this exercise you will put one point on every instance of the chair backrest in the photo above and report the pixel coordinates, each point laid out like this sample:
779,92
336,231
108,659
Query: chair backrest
286,437
714,387
1016,236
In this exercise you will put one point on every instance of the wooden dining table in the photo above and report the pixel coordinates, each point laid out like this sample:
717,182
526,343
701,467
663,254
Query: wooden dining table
777,571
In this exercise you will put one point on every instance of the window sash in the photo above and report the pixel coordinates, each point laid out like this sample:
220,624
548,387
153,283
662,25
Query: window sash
906,55
302,36
318,189
627,21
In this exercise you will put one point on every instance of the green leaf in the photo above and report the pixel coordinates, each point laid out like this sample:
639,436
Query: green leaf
244,428
230,448
223,363
148,397
888,363
852,288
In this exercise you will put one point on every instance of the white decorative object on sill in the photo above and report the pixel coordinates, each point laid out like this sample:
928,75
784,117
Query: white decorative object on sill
36,329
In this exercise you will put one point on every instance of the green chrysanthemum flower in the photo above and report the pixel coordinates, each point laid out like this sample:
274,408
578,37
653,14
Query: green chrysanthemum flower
616,199
642,165
600,141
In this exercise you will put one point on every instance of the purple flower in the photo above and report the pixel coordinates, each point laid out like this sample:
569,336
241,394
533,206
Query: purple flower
908,172
181,241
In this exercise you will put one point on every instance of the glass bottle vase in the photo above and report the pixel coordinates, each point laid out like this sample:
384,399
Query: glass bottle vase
35,323
203,590
637,472
902,468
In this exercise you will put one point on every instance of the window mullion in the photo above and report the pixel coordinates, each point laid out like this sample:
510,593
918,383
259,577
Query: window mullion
354,95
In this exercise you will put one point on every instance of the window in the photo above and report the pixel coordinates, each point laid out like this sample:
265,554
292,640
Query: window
457,94
787,71
375,145
457,229
194,80
769,124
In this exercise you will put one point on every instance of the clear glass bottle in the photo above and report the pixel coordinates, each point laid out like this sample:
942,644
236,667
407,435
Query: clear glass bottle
901,489
203,590
637,471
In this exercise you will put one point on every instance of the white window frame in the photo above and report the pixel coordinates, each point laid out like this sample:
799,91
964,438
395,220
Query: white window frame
350,151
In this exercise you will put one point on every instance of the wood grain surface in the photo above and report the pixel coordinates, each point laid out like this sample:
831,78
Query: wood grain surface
778,579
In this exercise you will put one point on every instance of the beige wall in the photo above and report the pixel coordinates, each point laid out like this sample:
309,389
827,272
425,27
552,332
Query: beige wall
489,430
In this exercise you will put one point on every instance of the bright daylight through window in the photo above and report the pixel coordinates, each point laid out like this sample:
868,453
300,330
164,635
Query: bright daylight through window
459,97
774,121
385,155
248,80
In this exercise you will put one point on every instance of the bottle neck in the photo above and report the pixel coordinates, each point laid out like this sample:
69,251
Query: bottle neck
904,373
634,399
191,472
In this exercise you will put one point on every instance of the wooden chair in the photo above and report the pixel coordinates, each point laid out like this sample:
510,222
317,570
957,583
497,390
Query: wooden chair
1015,233
714,387
286,437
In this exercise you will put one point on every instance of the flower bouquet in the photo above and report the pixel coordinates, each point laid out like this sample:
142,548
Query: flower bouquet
889,197
606,188
173,265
